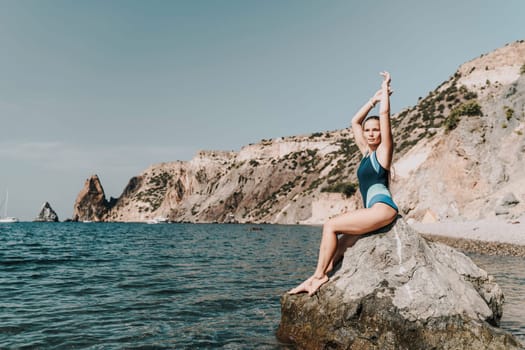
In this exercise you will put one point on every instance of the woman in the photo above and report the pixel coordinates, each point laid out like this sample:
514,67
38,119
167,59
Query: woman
373,136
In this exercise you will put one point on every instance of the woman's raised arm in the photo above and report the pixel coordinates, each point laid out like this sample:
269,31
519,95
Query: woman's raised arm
357,121
386,148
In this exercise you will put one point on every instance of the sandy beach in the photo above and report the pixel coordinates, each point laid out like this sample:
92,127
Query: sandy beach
487,236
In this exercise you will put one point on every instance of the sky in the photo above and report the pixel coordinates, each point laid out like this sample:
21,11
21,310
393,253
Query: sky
110,87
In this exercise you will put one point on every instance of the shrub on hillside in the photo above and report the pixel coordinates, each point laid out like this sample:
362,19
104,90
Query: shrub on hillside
346,188
509,112
451,122
315,134
469,95
470,108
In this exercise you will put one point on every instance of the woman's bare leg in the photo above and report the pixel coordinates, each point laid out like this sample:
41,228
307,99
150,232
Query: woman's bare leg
355,223
344,242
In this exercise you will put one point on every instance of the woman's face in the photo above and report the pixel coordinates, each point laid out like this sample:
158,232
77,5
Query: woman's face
371,132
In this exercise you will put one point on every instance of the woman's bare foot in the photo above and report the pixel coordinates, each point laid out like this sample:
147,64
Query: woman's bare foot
303,287
315,284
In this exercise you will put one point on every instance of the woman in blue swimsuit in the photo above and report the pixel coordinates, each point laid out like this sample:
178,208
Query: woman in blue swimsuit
373,136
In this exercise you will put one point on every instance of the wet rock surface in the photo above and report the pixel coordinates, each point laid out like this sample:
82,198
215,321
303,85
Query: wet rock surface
397,290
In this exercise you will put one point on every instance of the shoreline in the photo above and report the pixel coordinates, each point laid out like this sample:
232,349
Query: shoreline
475,246
486,236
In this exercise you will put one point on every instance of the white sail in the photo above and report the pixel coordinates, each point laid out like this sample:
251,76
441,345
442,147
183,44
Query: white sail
7,219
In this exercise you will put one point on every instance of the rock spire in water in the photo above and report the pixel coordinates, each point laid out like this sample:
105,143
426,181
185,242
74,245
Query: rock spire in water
91,203
47,214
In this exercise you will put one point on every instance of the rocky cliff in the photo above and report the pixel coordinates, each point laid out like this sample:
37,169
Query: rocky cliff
459,155
470,162
282,180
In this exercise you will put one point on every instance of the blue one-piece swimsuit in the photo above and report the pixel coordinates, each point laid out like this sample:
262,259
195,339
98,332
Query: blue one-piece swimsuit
373,182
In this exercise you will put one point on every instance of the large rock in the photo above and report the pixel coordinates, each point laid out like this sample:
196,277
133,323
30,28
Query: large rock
91,203
396,290
47,214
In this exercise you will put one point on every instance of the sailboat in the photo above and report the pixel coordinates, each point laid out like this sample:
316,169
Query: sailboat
7,219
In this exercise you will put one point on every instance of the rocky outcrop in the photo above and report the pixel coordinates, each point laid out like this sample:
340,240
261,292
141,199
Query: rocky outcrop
466,142
47,214
396,290
91,203
457,153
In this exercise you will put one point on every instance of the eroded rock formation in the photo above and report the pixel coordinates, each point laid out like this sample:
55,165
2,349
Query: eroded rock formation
47,214
91,203
396,290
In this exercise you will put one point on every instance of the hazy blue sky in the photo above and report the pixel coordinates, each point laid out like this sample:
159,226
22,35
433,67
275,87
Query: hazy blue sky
111,87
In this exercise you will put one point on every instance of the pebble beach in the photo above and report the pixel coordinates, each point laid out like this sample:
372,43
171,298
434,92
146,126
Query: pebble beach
487,236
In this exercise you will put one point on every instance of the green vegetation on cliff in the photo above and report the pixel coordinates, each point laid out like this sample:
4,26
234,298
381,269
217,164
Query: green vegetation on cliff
471,108
346,188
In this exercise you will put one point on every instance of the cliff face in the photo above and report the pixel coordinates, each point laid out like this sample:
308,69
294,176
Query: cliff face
273,181
473,161
459,154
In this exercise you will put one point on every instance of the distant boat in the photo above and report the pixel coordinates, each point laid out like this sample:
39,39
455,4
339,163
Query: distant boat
7,219
158,220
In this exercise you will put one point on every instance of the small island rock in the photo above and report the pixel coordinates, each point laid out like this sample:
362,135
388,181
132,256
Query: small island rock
47,214
397,290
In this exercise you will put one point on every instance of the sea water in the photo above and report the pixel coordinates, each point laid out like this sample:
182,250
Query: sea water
171,286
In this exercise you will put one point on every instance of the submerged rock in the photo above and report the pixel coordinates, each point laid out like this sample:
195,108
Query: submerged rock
396,290
47,214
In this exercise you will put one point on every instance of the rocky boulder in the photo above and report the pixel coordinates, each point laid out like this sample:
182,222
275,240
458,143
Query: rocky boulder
396,290
47,214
